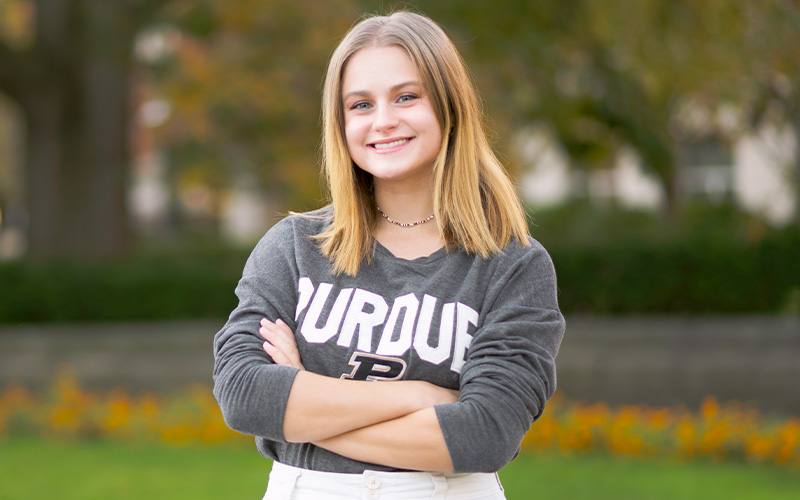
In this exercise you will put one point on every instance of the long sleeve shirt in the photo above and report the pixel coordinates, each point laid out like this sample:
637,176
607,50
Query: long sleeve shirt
488,327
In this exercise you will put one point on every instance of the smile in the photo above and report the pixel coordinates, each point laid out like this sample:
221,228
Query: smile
389,145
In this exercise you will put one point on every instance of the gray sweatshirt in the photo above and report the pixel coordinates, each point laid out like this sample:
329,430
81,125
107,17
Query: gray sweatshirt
490,328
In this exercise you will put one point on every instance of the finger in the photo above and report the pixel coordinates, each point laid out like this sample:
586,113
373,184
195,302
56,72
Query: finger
274,334
288,349
277,356
279,339
281,358
284,327
264,331
283,341
279,328
263,325
283,330
279,334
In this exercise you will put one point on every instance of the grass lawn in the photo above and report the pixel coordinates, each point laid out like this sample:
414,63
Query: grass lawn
36,469
599,477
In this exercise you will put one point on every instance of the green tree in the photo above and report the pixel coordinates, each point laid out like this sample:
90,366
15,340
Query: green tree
245,82
607,73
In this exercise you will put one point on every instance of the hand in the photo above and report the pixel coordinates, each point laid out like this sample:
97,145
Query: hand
280,343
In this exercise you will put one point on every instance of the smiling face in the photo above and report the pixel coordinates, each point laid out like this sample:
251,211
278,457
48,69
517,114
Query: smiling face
390,125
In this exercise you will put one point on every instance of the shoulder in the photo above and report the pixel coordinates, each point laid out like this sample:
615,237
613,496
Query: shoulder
300,224
530,259
293,231
530,250
522,275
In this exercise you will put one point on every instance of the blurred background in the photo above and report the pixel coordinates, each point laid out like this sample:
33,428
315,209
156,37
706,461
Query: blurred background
146,145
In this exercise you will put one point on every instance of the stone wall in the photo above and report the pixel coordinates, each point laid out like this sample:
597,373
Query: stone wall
140,356
657,361
667,361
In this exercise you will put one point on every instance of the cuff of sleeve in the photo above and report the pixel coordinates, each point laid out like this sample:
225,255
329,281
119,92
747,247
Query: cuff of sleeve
278,391
456,441
259,407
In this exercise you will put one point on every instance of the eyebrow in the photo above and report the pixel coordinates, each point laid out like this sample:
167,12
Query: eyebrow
393,89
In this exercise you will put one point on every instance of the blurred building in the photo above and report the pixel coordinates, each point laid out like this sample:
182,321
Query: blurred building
12,208
752,171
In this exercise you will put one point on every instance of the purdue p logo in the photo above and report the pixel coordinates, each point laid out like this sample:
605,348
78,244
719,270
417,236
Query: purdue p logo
374,367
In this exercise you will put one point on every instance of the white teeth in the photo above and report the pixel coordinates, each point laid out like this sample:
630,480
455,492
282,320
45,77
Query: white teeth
390,144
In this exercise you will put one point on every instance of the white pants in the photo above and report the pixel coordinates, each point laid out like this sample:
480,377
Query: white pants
292,483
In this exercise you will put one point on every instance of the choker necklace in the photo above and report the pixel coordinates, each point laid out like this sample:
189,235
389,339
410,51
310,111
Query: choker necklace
404,224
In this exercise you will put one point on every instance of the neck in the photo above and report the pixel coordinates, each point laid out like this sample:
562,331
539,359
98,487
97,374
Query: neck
405,205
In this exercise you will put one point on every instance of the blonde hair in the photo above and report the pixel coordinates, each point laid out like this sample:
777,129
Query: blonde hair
476,205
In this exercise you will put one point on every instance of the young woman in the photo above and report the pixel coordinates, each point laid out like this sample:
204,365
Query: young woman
399,342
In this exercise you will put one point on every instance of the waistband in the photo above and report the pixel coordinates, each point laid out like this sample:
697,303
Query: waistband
375,484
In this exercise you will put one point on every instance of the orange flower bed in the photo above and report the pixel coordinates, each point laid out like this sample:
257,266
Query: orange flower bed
67,412
730,431
718,432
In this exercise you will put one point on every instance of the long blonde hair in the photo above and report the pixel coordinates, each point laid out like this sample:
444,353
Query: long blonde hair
476,205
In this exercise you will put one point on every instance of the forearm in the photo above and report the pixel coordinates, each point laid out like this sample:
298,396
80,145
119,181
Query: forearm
321,407
414,442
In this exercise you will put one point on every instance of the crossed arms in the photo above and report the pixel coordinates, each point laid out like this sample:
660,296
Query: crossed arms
386,423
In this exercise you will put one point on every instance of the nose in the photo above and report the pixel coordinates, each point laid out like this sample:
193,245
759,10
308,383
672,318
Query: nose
385,118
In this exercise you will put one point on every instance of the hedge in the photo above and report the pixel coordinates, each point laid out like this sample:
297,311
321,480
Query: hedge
144,288
688,276
694,276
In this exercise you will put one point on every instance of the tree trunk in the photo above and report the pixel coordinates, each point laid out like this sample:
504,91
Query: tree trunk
796,168
43,170
77,124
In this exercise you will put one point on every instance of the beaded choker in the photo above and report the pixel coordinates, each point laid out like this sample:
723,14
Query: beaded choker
405,224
